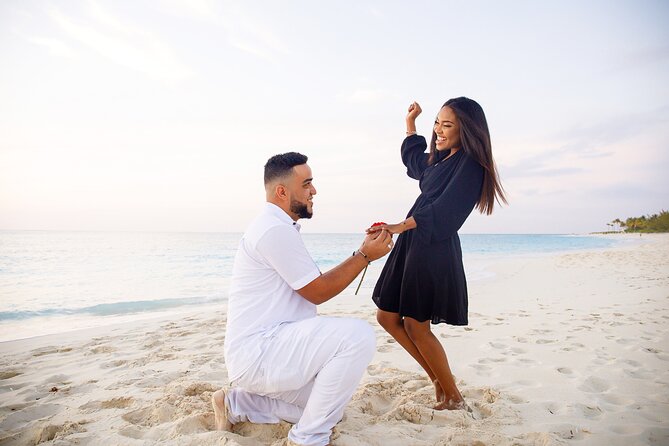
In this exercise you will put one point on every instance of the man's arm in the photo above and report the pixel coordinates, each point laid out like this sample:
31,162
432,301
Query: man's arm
333,282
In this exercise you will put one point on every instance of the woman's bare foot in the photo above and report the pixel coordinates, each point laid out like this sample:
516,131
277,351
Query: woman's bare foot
438,391
451,404
221,419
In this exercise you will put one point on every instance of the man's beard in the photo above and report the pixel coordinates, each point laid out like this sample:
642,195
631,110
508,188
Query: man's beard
300,209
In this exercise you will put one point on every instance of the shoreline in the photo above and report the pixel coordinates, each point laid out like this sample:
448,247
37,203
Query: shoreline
478,266
561,349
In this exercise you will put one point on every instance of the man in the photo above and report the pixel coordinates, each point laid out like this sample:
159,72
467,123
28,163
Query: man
284,361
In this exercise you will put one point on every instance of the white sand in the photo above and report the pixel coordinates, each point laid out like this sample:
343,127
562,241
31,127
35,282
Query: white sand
568,349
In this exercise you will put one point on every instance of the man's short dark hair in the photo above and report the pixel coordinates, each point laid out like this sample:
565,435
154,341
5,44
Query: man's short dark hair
280,165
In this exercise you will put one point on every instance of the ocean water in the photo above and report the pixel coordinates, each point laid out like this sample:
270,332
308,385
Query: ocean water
52,282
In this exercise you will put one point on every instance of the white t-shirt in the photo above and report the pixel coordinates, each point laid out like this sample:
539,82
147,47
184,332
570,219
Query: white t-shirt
271,263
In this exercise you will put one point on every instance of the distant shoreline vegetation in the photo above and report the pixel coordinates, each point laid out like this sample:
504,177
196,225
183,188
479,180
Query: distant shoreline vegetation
645,223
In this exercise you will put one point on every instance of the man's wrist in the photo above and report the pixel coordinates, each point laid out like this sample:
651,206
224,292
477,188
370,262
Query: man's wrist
361,254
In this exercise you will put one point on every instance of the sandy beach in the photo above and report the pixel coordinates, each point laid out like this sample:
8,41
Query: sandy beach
561,349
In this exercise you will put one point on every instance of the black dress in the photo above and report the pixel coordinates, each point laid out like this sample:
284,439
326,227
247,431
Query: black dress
423,277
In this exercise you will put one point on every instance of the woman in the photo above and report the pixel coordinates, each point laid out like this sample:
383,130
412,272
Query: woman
423,279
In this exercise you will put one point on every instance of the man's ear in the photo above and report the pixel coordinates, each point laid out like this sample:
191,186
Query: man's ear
281,192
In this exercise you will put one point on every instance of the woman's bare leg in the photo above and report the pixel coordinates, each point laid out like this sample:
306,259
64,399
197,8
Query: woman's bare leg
392,323
431,349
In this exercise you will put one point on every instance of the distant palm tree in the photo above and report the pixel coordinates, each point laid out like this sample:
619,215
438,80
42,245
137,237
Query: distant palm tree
618,224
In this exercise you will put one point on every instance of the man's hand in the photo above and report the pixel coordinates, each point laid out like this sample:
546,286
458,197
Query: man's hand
377,244
331,283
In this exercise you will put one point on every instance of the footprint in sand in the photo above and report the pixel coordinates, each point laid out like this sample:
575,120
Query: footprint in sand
574,346
131,432
639,374
101,349
114,364
28,414
449,336
625,429
594,384
615,400
492,360
569,432
114,403
656,435
51,431
565,370
7,374
553,407
49,351
590,411
481,368
385,348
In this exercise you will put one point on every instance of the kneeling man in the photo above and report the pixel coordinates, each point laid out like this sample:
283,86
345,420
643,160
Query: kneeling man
285,362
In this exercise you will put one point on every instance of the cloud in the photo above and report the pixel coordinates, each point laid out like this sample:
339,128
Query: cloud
366,96
252,35
243,31
580,144
201,10
55,47
124,44
638,59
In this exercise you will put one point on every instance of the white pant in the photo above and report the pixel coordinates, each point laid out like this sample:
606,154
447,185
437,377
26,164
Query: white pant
306,375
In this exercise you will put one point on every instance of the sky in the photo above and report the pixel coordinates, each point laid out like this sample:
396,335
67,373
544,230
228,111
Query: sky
159,115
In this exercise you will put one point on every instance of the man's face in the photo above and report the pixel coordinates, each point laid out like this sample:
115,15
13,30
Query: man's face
301,191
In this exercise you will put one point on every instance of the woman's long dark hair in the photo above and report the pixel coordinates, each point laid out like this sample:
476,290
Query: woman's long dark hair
475,141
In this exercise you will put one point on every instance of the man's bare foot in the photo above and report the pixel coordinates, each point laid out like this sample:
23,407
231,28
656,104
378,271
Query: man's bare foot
221,412
451,405
438,391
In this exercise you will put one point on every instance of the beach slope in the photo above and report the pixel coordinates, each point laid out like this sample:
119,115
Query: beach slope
562,349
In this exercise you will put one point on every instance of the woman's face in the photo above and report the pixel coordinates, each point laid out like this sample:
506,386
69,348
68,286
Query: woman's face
447,128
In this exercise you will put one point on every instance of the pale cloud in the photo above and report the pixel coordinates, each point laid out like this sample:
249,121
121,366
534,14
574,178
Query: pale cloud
124,44
56,47
244,31
252,35
580,149
376,13
366,96
201,10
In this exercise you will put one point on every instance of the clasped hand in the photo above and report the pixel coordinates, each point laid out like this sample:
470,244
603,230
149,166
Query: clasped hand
397,228
377,244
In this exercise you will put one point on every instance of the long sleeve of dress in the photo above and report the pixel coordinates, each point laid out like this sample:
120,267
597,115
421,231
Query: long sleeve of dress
444,216
414,156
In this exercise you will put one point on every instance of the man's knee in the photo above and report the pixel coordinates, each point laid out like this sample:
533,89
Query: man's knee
361,336
367,339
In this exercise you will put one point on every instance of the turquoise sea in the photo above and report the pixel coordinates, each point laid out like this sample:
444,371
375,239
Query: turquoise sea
57,281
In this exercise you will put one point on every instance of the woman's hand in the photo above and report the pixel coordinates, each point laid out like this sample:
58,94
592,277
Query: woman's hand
398,228
392,229
414,111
